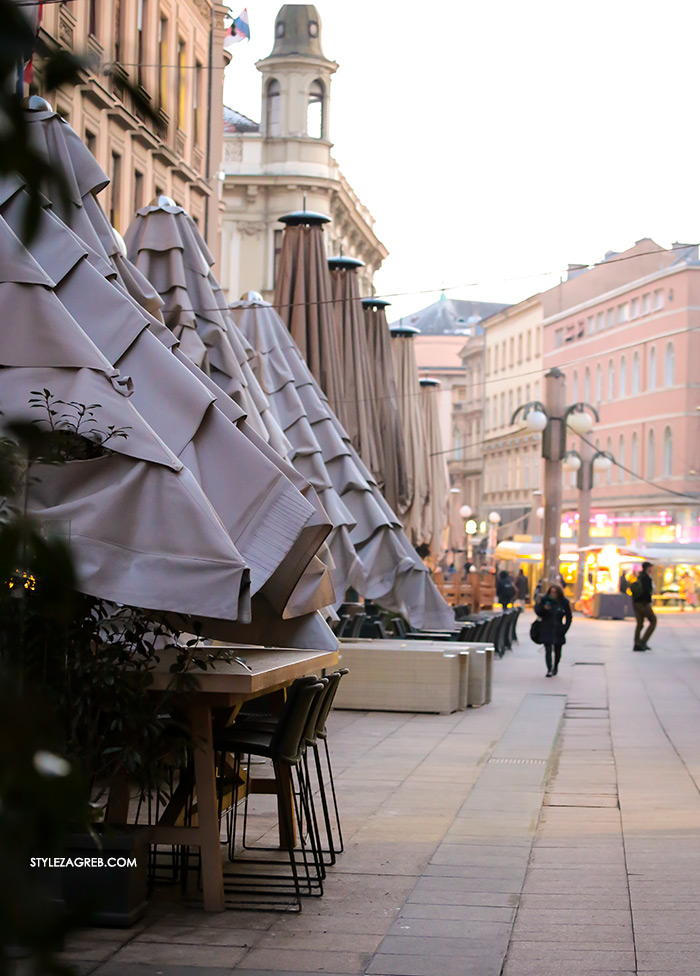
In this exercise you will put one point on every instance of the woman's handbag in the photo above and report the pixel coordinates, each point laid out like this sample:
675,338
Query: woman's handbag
536,632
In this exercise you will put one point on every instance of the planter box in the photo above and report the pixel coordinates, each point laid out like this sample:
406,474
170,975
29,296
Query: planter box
110,896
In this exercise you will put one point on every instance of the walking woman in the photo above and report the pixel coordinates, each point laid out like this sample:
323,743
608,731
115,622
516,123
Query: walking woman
555,611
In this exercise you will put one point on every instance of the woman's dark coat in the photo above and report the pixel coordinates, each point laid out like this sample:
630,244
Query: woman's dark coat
556,619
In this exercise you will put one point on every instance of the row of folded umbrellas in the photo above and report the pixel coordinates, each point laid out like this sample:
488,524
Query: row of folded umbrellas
265,468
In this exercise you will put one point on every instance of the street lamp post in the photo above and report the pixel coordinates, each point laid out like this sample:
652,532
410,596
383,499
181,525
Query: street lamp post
552,421
466,514
585,463
494,521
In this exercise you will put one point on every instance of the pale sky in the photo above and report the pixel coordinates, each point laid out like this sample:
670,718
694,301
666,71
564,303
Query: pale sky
496,141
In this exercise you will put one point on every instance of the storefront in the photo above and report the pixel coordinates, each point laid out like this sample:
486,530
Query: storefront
513,555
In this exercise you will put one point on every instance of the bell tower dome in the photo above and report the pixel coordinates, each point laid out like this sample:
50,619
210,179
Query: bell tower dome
297,78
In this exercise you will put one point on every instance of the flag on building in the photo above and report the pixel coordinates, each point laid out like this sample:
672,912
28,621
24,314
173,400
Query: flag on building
239,30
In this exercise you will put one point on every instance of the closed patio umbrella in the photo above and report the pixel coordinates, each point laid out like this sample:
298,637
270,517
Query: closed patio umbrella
254,492
360,395
413,431
386,407
385,566
435,514
304,300
141,529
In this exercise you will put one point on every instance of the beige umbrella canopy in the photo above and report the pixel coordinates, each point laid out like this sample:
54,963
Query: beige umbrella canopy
383,566
304,300
141,528
361,416
386,406
435,513
276,528
413,432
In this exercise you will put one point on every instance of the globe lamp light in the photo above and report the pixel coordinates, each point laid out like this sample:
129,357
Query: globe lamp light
580,423
571,463
540,513
535,421
494,518
465,512
602,463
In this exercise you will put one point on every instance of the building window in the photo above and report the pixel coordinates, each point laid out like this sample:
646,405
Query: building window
503,355
277,239
651,456
634,308
141,21
138,190
487,407
537,389
652,368
163,63
623,313
623,377
511,355
457,439
646,303
558,338
520,348
118,30
670,367
503,409
600,321
621,459
116,189
488,362
527,393
658,299
198,103
92,18
314,111
587,385
635,374
611,380
599,383
510,406
272,111
668,453
610,318
590,324
181,86
91,141
634,456
528,345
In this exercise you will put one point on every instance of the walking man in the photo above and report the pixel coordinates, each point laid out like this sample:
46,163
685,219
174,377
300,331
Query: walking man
522,587
642,590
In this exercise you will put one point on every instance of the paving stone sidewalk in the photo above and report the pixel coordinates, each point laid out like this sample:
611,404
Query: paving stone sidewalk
554,831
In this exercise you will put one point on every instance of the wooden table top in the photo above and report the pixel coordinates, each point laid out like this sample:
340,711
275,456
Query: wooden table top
271,668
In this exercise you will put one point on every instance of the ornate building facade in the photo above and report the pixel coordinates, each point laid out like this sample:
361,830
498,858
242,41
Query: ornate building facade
284,163
172,52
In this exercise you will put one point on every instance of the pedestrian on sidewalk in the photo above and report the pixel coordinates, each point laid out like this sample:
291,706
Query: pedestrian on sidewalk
555,612
523,588
642,591
505,590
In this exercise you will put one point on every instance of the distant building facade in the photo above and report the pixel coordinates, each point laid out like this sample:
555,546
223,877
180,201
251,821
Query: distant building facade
632,349
284,163
512,377
163,48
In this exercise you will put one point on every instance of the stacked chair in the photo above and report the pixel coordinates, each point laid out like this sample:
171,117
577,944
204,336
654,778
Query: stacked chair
310,838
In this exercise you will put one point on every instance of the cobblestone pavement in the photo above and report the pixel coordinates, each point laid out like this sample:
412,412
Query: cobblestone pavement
556,831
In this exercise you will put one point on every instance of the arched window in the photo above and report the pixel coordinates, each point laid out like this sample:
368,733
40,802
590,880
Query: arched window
611,380
634,455
621,459
314,110
635,374
272,111
670,367
587,385
503,409
668,453
457,440
599,384
623,377
652,368
609,472
574,388
651,455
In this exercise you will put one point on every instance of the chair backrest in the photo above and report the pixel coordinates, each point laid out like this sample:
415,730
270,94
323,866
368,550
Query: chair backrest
327,704
288,739
357,622
399,627
312,718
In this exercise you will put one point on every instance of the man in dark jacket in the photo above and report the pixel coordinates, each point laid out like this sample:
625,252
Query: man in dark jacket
505,591
523,588
642,591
